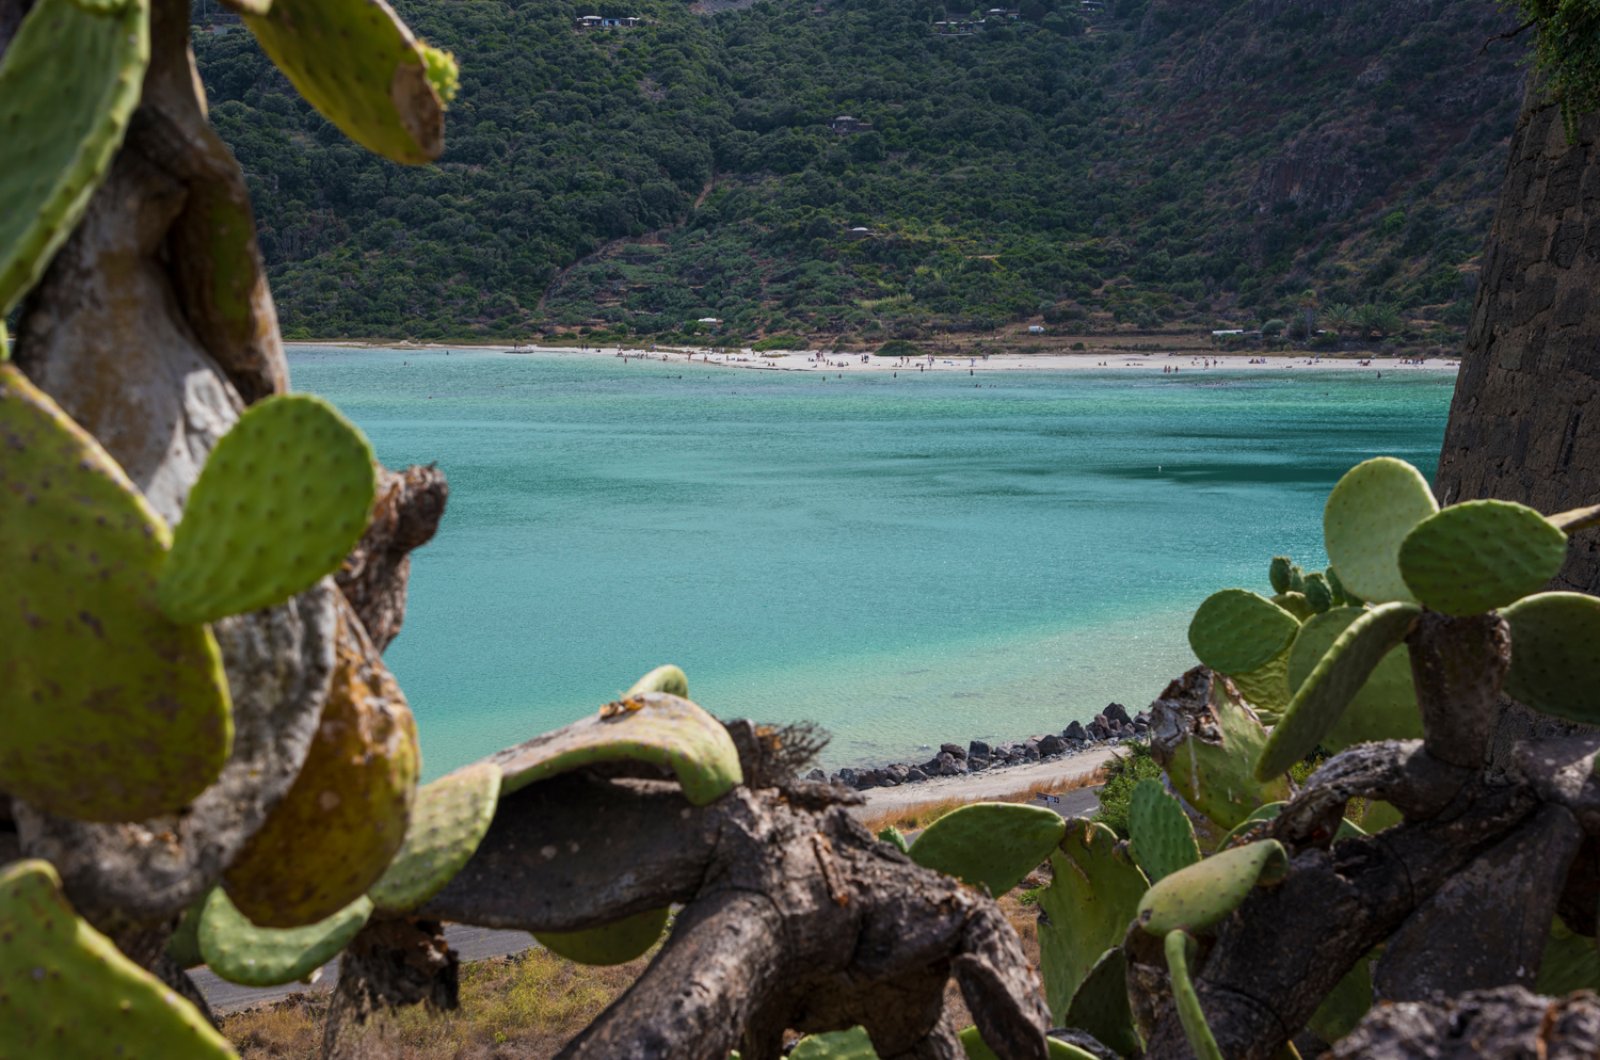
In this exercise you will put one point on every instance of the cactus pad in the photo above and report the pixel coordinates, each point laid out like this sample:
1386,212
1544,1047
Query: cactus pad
1555,655
1180,949
68,993
1236,631
1162,838
283,498
448,820
1385,708
652,727
184,945
94,680
361,68
1278,573
1333,683
853,1044
669,679
976,1048
1319,594
344,818
244,953
1267,687
69,82
1085,910
1350,1001
1295,603
993,845
1481,555
616,943
1101,1004
1368,515
1217,776
1200,896
895,838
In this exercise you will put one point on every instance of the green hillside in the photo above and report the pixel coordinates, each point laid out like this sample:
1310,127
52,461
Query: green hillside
1164,162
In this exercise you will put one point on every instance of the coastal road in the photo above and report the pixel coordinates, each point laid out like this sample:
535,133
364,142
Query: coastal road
476,944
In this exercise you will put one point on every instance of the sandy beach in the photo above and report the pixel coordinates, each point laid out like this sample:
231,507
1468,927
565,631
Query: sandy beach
1182,361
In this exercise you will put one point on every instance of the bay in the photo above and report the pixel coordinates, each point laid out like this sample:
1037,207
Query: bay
903,560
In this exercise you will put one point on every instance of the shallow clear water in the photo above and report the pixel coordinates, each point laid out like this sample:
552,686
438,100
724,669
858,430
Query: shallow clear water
905,560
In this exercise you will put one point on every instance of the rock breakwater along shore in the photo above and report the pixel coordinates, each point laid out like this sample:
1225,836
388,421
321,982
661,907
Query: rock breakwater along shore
1110,726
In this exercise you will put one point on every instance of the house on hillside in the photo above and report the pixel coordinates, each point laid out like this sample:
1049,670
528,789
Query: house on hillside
599,22
1092,7
845,124
1002,14
964,27
858,233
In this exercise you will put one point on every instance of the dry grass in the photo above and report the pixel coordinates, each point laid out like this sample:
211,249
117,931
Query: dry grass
922,814
526,1005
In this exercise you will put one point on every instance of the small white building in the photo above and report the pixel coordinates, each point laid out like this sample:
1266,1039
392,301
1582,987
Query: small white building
1036,329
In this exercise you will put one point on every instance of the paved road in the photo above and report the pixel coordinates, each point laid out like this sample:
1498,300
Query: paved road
476,944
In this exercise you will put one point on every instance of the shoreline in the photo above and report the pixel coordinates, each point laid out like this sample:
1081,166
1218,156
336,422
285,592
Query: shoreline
822,363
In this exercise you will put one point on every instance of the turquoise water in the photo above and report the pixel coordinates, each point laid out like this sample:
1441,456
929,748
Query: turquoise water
904,560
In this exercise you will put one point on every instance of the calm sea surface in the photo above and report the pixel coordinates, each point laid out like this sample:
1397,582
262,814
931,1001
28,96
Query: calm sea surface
904,560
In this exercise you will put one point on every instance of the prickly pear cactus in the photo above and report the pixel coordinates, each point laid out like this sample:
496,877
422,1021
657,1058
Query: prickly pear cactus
616,943
1266,688
343,820
1319,594
358,64
669,679
652,727
1295,603
1368,515
1180,950
1481,555
1555,655
895,838
94,679
1279,573
1236,631
852,1044
1086,910
68,993
250,955
61,130
449,819
1195,899
1217,776
993,845
1161,836
1101,1006
283,498
1333,683
1385,707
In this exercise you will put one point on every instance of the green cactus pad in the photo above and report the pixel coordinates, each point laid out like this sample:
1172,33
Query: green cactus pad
1101,1005
1218,778
1267,687
68,993
448,820
283,498
358,64
243,953
1198,897
1368,515
1236,631
1555,655
1162,838
1570,962
993,845
94,680
1295,603
1348,1003
1278,574
1253,827
895,838
1333,683
653,727
69,82
616,943
1481,555
1180,950
184,945
853,1044
1086,909
1341,595
669,679
976,1048
1385,707
1319,594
